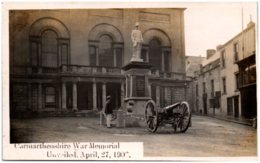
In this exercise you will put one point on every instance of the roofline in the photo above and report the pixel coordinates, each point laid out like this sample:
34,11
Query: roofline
245,30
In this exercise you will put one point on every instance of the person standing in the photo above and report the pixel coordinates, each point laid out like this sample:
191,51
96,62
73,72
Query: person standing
108,111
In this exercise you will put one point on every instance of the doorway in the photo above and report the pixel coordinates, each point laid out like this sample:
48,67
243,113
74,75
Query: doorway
114,90
229,106
236,106
205,111
85,96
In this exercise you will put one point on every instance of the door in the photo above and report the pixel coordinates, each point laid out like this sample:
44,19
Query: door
236,106
85,96
205,104
229,106
114,90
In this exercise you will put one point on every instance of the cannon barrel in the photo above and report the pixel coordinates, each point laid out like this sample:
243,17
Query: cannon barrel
169,108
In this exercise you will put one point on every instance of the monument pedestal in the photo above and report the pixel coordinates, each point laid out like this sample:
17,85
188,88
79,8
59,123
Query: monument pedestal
137,92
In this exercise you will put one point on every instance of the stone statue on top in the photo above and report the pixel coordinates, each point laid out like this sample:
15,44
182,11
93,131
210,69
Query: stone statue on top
137,39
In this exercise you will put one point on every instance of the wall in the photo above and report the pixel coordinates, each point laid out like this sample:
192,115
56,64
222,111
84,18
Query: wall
231,68
80,22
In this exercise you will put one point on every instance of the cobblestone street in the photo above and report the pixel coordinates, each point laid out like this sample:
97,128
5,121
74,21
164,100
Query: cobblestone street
207,136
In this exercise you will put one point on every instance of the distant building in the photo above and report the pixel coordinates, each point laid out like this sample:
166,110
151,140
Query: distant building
238,74
226,83
64,60
193,64
207,85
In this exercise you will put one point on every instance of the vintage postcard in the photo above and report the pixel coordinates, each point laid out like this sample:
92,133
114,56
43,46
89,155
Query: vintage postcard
129,81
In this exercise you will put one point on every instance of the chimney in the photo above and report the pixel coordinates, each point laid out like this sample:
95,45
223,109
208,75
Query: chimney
210,52
219,47
251,23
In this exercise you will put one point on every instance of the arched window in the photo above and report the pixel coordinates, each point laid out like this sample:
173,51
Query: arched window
155,51
49,49
105,46
49,45
106,51
158,56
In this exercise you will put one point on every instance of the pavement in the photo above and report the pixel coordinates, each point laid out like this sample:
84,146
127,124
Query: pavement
206,137
243,121
240,120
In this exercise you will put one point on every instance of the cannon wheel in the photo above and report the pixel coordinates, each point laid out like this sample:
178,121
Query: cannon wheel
185,117
151,116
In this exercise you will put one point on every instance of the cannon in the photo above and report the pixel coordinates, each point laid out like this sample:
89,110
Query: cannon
178,115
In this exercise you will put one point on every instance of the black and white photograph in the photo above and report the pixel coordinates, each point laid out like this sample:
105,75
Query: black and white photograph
129,81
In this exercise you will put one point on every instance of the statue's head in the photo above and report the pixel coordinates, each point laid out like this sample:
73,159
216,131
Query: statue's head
137,24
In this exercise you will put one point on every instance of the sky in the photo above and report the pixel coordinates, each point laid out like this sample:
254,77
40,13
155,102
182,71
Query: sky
210,24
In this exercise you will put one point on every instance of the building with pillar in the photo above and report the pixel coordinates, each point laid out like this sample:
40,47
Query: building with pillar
71,59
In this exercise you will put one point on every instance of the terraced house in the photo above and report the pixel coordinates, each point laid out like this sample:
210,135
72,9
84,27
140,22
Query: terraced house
226,83
71,59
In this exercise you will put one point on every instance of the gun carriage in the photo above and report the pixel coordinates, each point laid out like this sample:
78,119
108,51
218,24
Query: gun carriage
178,115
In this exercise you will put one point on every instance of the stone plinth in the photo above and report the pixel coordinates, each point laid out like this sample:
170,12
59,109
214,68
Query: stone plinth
137,90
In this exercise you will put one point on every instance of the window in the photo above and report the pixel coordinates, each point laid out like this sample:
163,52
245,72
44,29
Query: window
34,54
166,61
224,85
155,52
159,56
50,95
236,52
212,87
223,55
119,57
209,68
64,54
143,55
204,87
237,80
92,54
250,74
197,90
105,51
49,49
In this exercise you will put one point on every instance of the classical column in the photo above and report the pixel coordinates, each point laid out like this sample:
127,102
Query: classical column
40,96
126,86
39,58
64,96
29,96
114,56
158,95
147,55
75,107
131,86
94,95
122,94
97,56
104,94
163,61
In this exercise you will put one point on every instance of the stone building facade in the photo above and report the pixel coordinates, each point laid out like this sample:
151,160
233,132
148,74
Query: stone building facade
193,64
227,79
238,74
64,60
207,86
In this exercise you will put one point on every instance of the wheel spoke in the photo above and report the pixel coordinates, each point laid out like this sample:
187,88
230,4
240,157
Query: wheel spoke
184,117
151,116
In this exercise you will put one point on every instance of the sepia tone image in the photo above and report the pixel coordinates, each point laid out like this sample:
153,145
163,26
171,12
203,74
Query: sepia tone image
164,76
